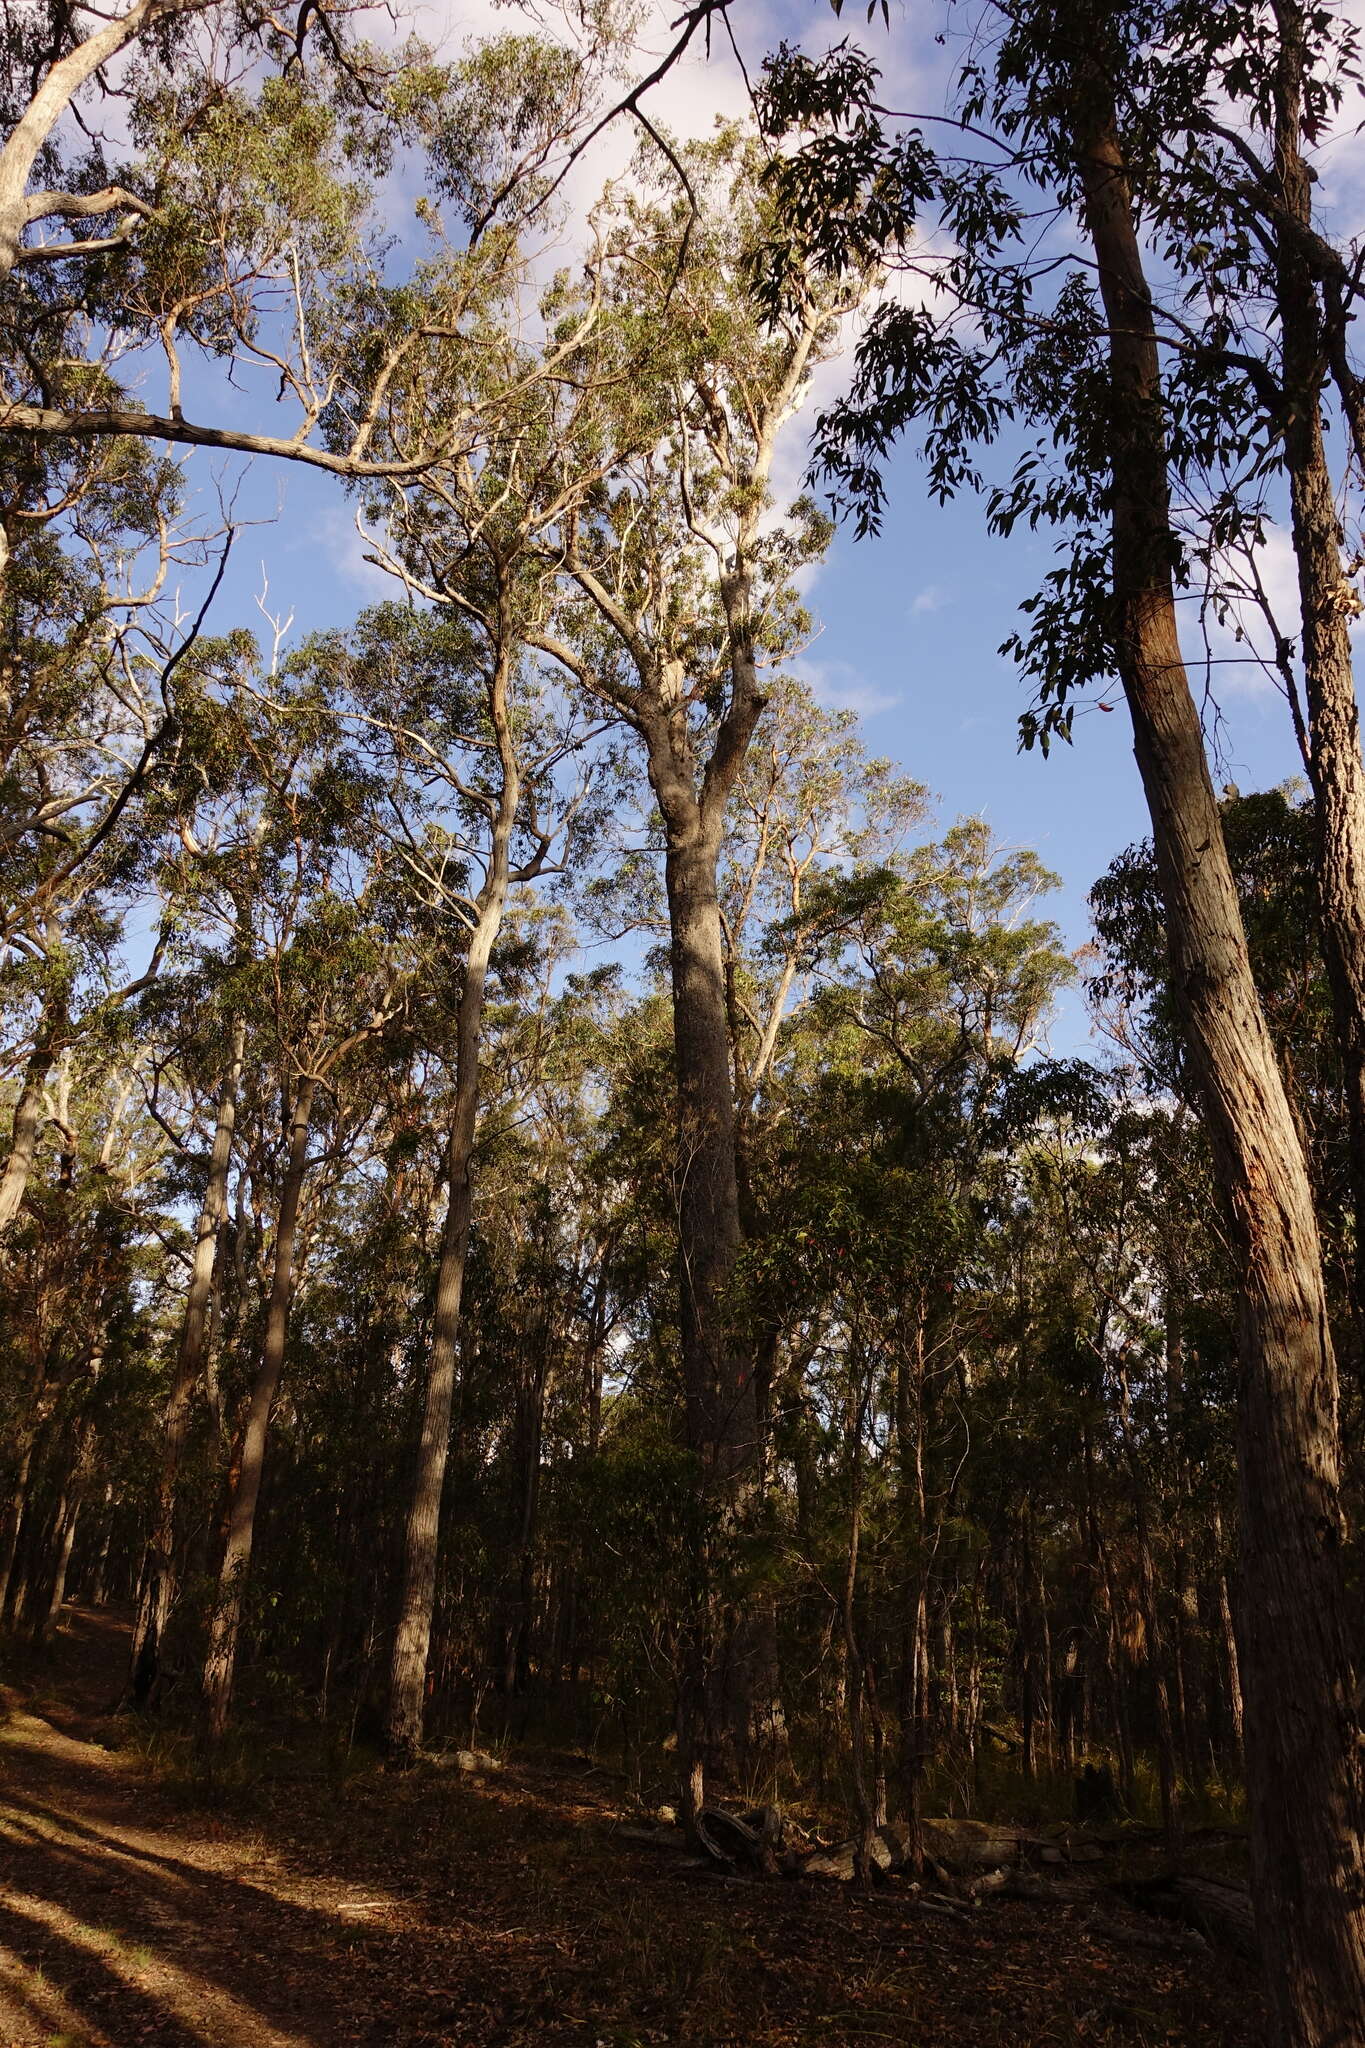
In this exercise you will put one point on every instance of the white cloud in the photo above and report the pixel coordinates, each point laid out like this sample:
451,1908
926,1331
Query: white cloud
931,599
839,686
332,532
1237,650
1339,158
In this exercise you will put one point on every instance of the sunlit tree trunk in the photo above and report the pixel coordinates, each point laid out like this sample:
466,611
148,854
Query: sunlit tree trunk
721,1403
912,1504
692,793
412,1637
1232,1662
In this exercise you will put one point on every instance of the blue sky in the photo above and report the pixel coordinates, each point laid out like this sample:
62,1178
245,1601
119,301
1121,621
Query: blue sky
917,616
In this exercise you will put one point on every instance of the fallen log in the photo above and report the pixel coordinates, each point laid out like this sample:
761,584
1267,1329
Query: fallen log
653,1837
753,1842
474,1760
968,1846
1042,1891
841,1862
1221,1912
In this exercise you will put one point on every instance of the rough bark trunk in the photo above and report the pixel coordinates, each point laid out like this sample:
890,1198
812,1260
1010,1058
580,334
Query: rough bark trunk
221,1661
1327,605
720,1395
1303,1760
159,1570
722,1425
412,1637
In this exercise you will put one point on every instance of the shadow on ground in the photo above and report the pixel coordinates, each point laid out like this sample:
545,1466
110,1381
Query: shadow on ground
409,1912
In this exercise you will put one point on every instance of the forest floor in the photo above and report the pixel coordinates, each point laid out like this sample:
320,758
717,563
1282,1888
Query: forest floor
498,1912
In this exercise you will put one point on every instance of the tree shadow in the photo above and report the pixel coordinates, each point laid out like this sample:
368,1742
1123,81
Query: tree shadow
88,1985
148,1946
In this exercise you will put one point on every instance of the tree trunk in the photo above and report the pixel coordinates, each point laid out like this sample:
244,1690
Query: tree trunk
100,1568
1187,1669
159,1572
28,1117
722,1424
221,1661
516,1598
721,1410
1327,604
65,1538
1303,1765
1233,1667
68,1515
722,1418
412,1637
1167,1775
864,1803
912,1517
14,1517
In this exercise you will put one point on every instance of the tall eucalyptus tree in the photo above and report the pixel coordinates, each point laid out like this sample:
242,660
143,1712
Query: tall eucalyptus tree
1080,361
686,565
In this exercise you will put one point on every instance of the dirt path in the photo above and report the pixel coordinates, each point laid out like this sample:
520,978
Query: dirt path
407,1913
